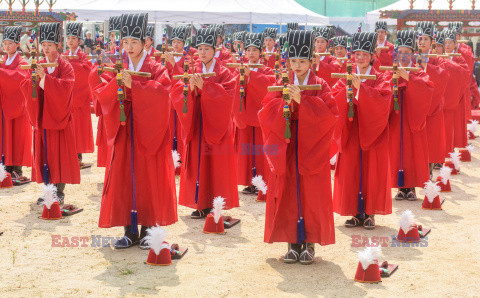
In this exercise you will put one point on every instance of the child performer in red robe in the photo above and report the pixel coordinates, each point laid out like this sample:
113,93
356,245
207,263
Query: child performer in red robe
270,35
409,159
362,175
205,112
222,54
248,138
150,43
49,105
139,181
299,201
326,65
15,127
340,44
82,96
436,70
383,57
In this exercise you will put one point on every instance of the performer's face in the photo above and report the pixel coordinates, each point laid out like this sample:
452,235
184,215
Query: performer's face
425,44
340,51
219,41
112,36
253,54
206,53
269,43
362,59
72,42
320,45
242,46
10,46
89,35
449,45
382,34
148,42
300,66
439,49
133,46
405,55
50,49
178,45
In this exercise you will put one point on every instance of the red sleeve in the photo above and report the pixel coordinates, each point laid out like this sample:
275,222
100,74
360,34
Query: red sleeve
12,103
475,94
325,69
417,99
81,90
439,77
151,110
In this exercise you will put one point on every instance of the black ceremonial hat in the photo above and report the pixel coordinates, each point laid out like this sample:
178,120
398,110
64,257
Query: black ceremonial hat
271,33
323,32
380,25
134,25
50,32
220,28
281,41
114,23
12,33
426,28
364,41
180,33
450,34
239,36
300,44
340,41
457,26
150,31
440,39
254,39
407,38
74,29
206,36
292,26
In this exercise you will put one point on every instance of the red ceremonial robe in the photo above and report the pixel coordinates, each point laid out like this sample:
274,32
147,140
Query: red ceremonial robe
82,98
213,107
151,54
15,126
413,157
475,94
368,134
464,112
385,58
270,60
51,111
315,119
223,56
435,125
101,141
326,67
247,126
148,102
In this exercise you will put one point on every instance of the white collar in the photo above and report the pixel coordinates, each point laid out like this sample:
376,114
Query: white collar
383,44
150,51
177,58
51,69
323,57
140,64
305,82
217,53
268,51
254,69
10,60
70,52
367,72
204,70
409,65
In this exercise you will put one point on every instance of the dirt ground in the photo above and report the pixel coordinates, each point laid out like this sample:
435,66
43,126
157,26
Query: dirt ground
238,263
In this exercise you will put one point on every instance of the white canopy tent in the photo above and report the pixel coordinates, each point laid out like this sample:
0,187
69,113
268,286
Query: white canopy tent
373,16
189,11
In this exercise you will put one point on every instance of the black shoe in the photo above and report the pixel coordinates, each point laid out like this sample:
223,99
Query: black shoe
307,255
126,242
293,254
437,166
197,214
40,201
143,242
369,222
353,222
249,190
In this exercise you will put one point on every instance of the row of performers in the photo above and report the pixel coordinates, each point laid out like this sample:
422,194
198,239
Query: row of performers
230,130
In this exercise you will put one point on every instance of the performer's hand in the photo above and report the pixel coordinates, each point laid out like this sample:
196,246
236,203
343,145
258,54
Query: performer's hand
40,71
200,82
247,71
294,92
127,79
403,73
169,58
378,51
356,81
195,81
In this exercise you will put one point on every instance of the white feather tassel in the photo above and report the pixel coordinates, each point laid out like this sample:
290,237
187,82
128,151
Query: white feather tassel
455,156
49,195
407,221
3,172
432,190
470,148
370,255
333,160
155,238
258,182
445,173
473,126
176,158
218,205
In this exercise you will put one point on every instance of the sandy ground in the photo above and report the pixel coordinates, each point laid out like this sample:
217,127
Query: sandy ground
239,263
